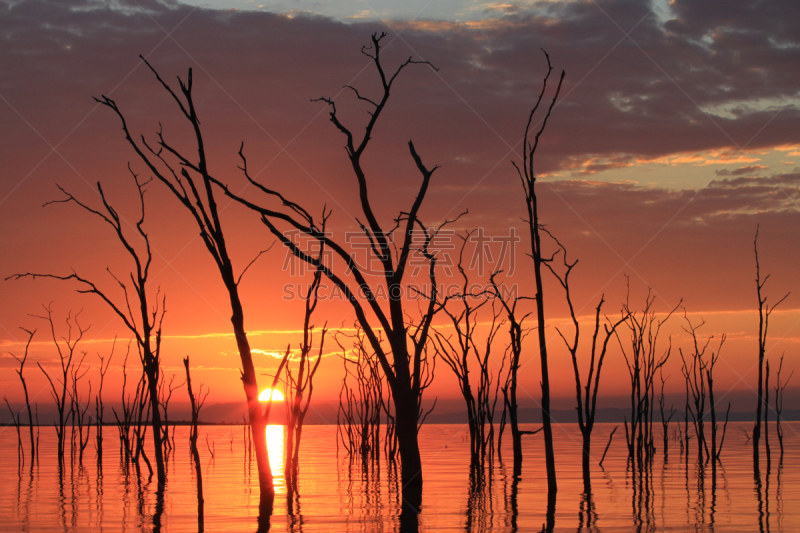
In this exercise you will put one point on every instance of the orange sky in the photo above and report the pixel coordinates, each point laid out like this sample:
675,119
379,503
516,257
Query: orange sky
667,149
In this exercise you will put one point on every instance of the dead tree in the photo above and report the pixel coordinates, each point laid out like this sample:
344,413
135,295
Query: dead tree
300,386
66,352
191,184
779,388
21,361
165,391
99,408
694,373
79,412
764,311
665,420
527,176
509,388
458,349
716,450
361,399
141,317
586,401
197,401
643,361
124,423
402,357
15,420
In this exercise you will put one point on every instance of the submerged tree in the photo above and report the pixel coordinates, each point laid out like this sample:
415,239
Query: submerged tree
196,401
402,355
99,408
79,412
527,176
300,385
586,398
141,316
780,385
665,420
465,354
187,176
361,399
643,361
21,361
764,312
66,349
698,370
516,334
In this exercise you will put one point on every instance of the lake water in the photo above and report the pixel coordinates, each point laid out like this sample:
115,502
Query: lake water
335,495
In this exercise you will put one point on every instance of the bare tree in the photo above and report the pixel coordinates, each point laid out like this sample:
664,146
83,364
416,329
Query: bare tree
527,176
66,354
190,182
360,403
99,408
665,420
143,319
197,401
165,391
300,386
716,450
461,347
693,371
764,311
79,412
643,361
21,361
698,370
403,361
780,385
509,388
16,421
586,403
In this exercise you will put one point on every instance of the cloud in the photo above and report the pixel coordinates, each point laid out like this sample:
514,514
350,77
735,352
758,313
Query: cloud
750,169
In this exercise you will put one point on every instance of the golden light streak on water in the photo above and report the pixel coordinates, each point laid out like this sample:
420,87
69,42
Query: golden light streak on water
275,446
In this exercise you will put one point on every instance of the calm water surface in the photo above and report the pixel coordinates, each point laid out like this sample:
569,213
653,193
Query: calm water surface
336,495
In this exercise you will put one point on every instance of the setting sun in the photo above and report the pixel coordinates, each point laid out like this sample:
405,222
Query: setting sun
270,394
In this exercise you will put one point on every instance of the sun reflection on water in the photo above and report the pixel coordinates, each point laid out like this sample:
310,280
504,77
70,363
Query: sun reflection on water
275,446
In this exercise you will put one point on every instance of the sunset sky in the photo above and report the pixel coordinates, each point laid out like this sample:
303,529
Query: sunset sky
677,132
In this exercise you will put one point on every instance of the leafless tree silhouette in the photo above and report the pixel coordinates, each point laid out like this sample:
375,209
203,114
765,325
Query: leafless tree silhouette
300,386
780,385
465,353
586,398
99,408
403,360
527,176
141,317
66,349
764,312
21,361
665,420
643,361
196,401
79,412
188,179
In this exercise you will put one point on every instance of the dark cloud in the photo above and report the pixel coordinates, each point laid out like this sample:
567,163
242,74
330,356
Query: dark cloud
712,77
741,171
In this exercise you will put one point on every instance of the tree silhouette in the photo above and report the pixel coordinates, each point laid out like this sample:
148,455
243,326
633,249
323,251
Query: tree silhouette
141,318
401,356
191,183
527,176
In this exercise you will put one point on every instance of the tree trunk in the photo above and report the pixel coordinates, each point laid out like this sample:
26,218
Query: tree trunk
410,462
587,447
151,368
258,425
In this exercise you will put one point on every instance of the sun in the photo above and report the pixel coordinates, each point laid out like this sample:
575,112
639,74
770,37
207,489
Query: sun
270,395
